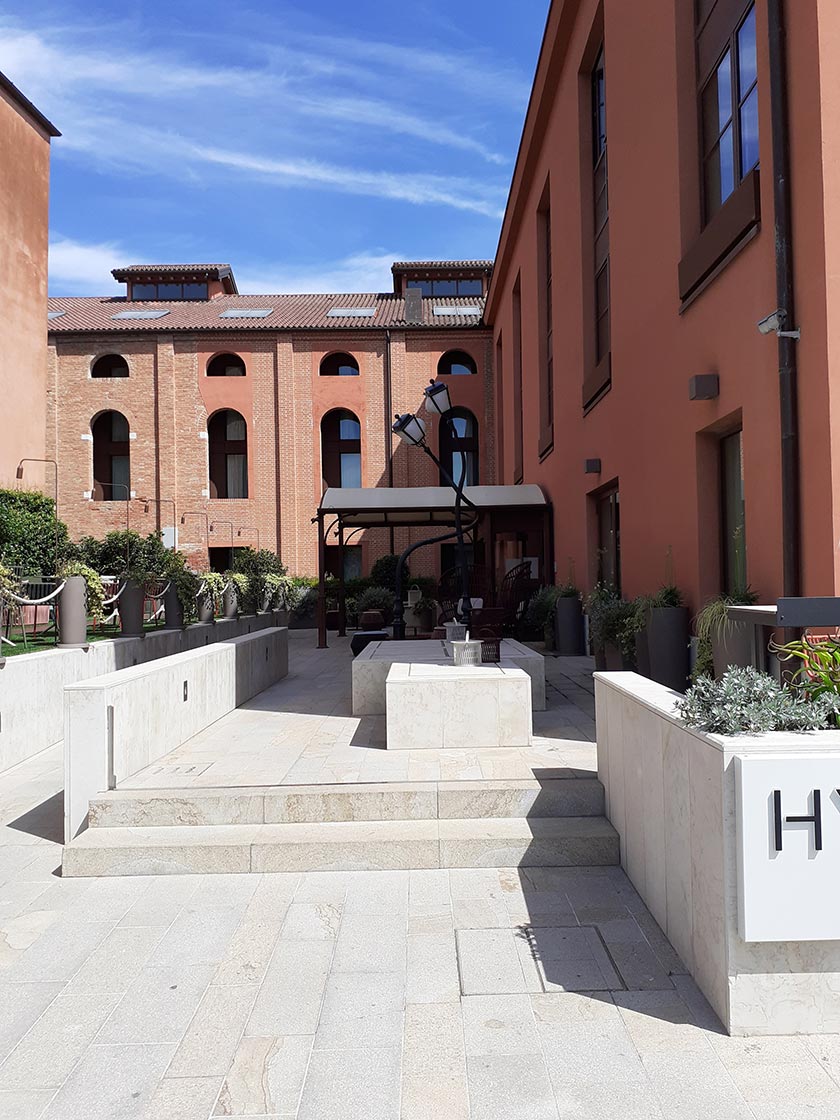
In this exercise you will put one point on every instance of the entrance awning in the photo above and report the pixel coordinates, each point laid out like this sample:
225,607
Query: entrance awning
421,505
346,511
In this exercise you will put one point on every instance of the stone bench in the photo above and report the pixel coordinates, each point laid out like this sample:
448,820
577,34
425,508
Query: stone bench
370,669
434,706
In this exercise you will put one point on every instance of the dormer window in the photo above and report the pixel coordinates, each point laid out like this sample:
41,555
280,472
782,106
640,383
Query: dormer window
169,290
429,288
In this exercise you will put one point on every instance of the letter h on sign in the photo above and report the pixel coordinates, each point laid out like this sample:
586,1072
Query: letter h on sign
815,819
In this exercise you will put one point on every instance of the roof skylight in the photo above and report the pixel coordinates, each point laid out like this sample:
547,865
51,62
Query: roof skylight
351,312
246,313
140,314
54,314
441,309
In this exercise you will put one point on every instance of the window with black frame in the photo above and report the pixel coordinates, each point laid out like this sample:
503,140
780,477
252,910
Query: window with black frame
227,435
459,447
733,514
341,449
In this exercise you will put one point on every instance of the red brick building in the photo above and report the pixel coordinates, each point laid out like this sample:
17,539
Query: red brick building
221,418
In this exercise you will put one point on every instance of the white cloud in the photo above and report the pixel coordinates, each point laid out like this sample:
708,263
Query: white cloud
84,269
361,272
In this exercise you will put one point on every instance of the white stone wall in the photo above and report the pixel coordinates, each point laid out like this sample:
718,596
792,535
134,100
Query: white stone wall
32,685
671,796
155,707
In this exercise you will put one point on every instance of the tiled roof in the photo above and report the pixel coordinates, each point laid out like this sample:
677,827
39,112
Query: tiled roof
288,312
432,266
132,270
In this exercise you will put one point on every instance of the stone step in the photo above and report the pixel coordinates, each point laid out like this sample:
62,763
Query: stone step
561,797
344,846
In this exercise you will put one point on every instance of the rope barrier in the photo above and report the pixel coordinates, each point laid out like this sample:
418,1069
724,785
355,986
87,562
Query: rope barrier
35,602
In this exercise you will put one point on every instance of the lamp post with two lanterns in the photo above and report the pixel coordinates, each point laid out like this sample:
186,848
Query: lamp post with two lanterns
412,431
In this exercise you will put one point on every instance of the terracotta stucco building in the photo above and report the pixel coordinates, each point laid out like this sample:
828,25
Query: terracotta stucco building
25,136
674,158
185,406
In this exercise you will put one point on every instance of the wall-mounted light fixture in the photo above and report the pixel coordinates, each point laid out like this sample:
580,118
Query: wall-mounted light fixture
592,466
703,387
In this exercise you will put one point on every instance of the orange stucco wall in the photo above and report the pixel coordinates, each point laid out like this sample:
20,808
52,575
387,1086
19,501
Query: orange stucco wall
655,443
24,197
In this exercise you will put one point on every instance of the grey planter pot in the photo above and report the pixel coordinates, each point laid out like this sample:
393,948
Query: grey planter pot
130,605
72,613
230,603
205,608
173,612
568,627
667,642
616,662
600,655
734,646
643,653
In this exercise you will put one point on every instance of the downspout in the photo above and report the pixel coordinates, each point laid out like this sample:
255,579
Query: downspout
389,449
788,407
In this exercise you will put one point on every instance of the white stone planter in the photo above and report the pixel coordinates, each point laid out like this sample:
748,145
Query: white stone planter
689,808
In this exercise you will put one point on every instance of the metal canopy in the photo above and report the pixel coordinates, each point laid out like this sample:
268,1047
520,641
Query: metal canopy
420,505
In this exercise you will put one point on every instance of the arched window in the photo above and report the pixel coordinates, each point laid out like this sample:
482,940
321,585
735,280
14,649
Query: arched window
110,365
226,365
456,362
111,458
341,448
227,436
464,439
339,365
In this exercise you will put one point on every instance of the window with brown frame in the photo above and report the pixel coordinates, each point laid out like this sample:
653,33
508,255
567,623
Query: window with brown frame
111,458
598,378
517,381
341,449
728,97
546,316
458,437
227,435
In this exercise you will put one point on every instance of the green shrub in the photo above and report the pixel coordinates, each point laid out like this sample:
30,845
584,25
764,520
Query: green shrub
93,586
745,701
28,532
384,572
540,610
376,599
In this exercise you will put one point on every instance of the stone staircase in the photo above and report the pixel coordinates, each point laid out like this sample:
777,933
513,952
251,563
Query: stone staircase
352,827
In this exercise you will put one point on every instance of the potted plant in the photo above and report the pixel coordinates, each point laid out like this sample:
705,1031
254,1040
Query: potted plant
424,611
619,624
235,593
721,641
179,600
378,599
661,627
209,595
598,602
540,614
568,621
81,595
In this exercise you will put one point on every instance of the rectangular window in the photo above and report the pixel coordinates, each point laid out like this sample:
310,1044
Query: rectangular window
728,95
546,316
236,469
351,469
470,288
733,519
169,291
500,412
425,286
602,210
609,539
517,381
120,477
445,288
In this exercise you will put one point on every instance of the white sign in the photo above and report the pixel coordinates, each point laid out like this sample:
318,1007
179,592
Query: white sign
788,840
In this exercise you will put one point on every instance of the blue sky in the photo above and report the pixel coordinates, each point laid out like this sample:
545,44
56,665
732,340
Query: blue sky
308,144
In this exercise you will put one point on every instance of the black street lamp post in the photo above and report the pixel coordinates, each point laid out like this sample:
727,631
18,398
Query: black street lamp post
412,430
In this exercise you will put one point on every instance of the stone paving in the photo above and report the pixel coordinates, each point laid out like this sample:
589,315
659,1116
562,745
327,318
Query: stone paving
491,994
301,731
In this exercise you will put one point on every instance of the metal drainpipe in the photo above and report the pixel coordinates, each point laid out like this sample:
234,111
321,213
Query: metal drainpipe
788,407
389,450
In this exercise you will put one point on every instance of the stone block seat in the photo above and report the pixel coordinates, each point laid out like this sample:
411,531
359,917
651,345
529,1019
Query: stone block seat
434,706
370,669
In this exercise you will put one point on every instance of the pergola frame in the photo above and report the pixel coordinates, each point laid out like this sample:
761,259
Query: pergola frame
350,511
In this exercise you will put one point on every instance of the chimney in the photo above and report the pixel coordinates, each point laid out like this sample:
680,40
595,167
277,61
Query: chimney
413,305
